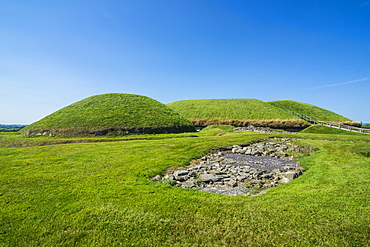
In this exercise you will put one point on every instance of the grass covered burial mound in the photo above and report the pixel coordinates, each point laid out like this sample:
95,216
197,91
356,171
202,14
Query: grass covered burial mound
236,112
314,112
111,114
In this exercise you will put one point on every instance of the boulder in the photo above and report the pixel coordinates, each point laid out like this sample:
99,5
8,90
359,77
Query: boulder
180,173
182,178
208,178
285,180
188,184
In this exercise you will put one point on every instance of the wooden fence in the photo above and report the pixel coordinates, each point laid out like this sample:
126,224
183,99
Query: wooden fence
314,120
343,126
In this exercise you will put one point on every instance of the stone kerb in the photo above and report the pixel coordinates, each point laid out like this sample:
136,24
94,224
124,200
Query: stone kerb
240,170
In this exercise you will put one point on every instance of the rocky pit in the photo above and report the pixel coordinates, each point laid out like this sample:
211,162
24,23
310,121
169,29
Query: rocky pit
240,169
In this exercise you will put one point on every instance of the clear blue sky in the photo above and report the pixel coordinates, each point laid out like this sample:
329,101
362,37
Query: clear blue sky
54,53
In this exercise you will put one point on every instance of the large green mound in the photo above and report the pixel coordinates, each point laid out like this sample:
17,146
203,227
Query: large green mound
311,111
111,114
236,112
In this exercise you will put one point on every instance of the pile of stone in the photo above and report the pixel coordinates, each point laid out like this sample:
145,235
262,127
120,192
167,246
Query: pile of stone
253,128
239,170
275,147
259,129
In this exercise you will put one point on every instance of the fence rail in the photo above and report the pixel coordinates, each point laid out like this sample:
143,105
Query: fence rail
343,126
314,120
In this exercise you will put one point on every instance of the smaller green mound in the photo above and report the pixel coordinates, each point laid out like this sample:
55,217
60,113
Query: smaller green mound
311,111
320,129
114,113
236,112
216,130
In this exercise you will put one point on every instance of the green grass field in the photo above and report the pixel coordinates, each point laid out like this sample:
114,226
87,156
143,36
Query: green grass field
317,113
236,112
100,194
116,113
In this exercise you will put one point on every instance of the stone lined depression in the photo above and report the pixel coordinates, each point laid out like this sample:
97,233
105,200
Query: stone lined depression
240,170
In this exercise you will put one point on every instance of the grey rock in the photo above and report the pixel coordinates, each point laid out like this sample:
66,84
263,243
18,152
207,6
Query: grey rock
157,178
256,153
220,173
290,175
241,178
180,173
193,173
231,183
171,177
188,184
182,178
285,180
208,178
268,175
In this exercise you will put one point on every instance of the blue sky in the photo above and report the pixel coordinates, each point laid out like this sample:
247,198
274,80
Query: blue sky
54,53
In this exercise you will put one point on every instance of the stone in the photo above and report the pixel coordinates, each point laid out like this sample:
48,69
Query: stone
208,178
285,180
171,177
231,183
188,184
219,183
181,173
290,175
156,178
182,178
268,175
193,173
241,178
220,173
256,153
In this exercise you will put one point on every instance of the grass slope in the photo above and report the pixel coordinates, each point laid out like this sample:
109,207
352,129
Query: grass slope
117,113
318,113
319,129
99,194
236,112
214,130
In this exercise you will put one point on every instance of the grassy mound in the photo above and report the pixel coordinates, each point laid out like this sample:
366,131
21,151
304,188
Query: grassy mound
236,112
216,130
314,112
111,114
319,129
